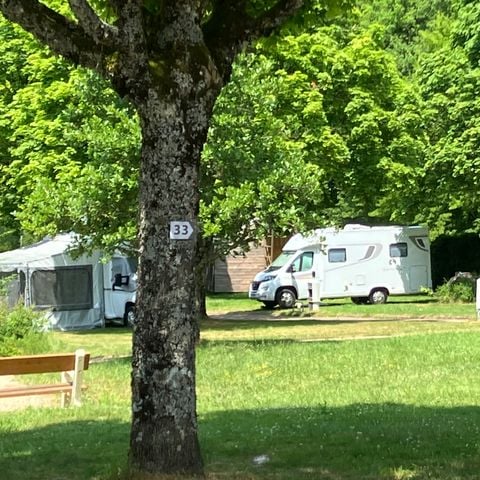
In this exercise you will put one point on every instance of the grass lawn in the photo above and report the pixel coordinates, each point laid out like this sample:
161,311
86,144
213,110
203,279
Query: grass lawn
398,408
410,306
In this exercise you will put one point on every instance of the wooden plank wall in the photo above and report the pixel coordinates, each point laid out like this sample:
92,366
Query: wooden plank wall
235,272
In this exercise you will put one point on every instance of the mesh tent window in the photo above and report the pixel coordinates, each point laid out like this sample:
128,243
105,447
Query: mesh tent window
12,286
63,288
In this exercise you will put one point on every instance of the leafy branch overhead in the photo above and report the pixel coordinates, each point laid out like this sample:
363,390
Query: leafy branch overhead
136,42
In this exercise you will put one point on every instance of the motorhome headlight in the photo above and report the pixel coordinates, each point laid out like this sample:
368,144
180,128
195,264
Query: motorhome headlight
268,278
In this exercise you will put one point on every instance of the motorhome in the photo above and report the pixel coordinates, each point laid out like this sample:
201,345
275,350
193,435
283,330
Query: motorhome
74,292
365,263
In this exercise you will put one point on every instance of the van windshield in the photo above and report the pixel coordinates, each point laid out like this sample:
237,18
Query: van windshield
280,261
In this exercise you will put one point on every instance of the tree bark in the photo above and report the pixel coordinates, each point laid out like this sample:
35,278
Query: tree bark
174,111
205,260
164,424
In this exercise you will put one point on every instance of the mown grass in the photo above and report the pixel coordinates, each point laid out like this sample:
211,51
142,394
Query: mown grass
380,409
315,330
399,408
399,307
408,306
339,319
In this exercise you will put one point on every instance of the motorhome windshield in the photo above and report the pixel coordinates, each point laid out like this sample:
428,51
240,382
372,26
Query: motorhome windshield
132,264
280,261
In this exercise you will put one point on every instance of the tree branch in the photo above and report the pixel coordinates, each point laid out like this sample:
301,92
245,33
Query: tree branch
130,23
88,19
276,17
64,37
230,26
117,5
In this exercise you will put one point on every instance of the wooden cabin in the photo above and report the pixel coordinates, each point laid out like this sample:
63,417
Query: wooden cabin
235,272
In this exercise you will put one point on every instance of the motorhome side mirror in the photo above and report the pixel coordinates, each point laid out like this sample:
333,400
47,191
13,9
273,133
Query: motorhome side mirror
117,280
120,280
291,269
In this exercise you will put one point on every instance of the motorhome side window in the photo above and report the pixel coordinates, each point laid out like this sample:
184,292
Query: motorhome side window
398,250
119,267
63,288
303,263
337,255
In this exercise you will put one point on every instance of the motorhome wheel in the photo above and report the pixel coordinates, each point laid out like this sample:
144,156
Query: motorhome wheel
378,296
129,316
286,298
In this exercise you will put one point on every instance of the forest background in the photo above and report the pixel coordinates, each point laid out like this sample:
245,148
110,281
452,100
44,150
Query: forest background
370,116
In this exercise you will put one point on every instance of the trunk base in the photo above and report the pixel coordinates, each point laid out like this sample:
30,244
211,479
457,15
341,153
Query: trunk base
158,476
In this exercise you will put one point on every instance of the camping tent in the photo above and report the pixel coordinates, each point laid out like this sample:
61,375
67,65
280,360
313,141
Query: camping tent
69,290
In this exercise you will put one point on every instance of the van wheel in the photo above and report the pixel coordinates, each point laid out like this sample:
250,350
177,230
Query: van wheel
360,300
129,316
378,296
286,298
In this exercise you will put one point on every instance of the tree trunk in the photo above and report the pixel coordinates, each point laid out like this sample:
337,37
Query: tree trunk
205,259
164,423
174,107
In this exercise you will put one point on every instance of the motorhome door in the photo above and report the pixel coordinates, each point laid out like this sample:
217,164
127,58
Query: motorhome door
396,272
302,268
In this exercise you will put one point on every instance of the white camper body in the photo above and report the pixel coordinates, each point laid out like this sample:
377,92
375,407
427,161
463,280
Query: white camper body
75,293
361,262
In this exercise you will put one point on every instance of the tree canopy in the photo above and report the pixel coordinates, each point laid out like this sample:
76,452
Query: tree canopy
353,145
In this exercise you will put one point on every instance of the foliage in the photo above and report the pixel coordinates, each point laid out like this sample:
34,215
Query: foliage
21,331
435,43
467,32
317,126
407,27
314,128
69,146
338,152
358,141
448,84
456,291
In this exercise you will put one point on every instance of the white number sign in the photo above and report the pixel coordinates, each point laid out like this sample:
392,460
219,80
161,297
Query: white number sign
180,230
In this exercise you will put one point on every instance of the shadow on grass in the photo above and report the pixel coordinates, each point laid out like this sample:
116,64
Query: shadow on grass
361,442
385,441
108,330
395,300
76,450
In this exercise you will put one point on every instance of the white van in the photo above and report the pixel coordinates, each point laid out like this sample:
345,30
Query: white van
365,263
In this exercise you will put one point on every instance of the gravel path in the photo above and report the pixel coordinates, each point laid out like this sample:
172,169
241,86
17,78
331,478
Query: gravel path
17,403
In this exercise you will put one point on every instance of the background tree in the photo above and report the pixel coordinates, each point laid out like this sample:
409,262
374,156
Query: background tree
406,26
69,148
317,130
286,142
435,45
449,79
